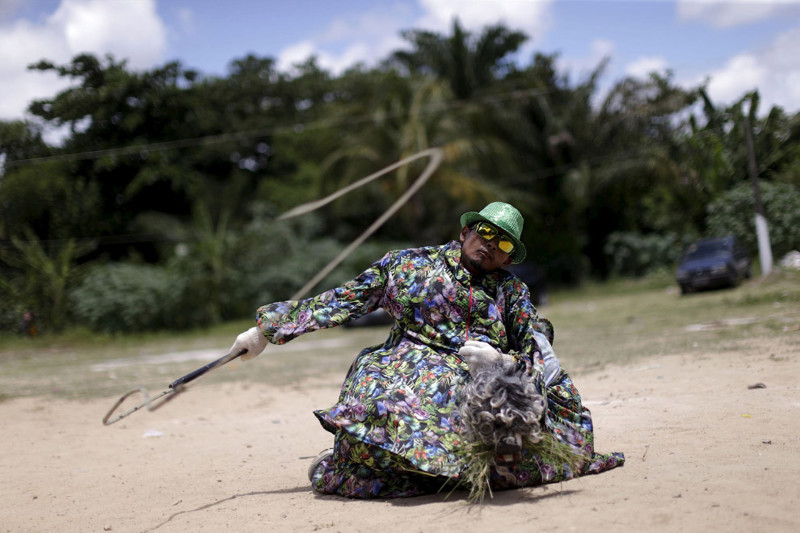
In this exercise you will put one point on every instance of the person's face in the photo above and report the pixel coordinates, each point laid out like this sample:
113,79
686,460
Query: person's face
480,256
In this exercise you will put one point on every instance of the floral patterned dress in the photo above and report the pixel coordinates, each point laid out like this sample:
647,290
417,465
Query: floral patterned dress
396,426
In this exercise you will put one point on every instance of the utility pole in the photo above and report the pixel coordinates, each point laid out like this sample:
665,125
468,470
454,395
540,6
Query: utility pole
762,232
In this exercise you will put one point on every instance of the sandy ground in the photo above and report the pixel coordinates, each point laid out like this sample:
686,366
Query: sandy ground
705,451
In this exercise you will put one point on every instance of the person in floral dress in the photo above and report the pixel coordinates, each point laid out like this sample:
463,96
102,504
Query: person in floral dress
397,430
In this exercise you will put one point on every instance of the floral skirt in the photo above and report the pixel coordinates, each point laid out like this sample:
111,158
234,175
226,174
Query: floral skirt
362,466
360,470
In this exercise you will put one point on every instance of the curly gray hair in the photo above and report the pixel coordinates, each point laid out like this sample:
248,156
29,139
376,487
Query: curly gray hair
502,408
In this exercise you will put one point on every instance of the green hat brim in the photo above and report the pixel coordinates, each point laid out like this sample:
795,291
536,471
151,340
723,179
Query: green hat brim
467,219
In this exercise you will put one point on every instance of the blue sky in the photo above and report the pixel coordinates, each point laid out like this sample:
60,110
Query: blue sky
737,45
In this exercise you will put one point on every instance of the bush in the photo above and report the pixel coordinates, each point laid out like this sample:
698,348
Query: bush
278,257
732,213
117,297
636,254
10,317
201,285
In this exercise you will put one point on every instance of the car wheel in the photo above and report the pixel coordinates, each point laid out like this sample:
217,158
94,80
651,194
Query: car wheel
685,289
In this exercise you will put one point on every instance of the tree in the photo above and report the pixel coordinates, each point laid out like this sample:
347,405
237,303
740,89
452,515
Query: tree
428,106
121,124
467,64
20,140
406,120
42,276
731,214
46,199
631,177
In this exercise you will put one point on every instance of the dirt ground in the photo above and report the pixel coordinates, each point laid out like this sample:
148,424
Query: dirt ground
707,448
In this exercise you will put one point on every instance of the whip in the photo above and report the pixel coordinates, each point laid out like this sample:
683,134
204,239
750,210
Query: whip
435,154
169,394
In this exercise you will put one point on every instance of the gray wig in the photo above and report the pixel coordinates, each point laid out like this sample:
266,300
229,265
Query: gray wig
502,409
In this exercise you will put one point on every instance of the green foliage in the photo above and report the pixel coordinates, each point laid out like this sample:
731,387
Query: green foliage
468,63
733,213
279,257
124,297
47,199
20,140
13,305
214,275
187,173
636,254
41,276
10,317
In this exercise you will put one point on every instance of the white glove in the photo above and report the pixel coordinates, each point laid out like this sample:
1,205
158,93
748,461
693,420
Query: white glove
251,340
480,356
552,367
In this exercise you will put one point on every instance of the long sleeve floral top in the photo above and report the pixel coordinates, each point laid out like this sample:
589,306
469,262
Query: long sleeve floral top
400,395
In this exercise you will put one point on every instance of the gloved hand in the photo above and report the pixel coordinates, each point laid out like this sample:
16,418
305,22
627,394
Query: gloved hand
251,340
480,356
552,368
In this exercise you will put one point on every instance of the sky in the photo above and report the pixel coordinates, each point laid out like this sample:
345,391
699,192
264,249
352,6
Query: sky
735,46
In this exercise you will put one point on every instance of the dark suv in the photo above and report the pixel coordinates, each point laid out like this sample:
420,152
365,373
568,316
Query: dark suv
713,263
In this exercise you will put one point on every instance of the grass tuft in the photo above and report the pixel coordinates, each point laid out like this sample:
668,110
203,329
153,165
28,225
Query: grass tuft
480,459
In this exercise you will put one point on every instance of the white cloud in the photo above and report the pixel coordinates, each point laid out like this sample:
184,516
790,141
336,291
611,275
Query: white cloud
532,17
599,49
729,13
20,45
774,71
336,63
371,36
296,53
128,30
644,66
740,74
355,53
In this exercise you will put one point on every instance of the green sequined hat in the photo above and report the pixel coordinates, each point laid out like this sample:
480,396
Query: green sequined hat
507,218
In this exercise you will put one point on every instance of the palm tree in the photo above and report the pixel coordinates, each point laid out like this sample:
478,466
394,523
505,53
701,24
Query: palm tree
46,274
409,120
468,65
430,105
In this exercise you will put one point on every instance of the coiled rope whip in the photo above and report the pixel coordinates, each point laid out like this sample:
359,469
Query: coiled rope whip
435,156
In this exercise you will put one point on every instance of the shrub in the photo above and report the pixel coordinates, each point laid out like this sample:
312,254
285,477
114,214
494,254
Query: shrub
732,213
117,297
637,254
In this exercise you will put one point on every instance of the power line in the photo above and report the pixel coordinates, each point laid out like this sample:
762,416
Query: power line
297,127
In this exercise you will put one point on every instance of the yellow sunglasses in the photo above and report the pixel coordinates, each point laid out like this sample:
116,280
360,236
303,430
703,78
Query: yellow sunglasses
489,232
